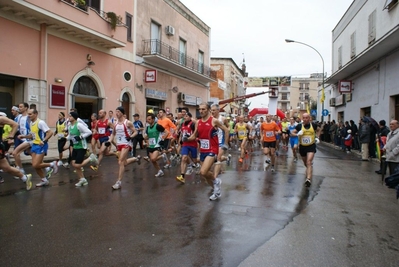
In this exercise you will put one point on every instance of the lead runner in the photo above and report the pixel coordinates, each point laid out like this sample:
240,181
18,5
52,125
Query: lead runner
206,129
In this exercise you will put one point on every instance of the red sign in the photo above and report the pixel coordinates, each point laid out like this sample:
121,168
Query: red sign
57,96
150,76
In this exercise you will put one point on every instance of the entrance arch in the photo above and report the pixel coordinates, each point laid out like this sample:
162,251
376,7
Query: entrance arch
86,94
127,101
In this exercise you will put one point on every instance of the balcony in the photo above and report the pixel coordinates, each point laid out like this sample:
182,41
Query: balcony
163,56
89,25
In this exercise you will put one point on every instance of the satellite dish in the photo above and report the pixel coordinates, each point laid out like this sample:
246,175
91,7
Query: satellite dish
175,89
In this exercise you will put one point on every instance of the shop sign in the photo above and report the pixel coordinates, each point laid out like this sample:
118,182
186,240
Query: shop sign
150,76
345,86
339,100
57,96
190,100
151,93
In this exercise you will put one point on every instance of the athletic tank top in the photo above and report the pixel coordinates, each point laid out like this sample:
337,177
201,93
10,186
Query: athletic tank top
208,136
186,130
241,131
37,134
154,136
102,128
121,132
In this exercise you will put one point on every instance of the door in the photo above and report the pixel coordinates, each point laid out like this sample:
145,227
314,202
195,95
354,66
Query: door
155,38
182,52
126,106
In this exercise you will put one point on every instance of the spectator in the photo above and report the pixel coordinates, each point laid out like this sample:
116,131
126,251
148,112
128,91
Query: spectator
355,137
364,138
348,141
333,128
391,148
383,132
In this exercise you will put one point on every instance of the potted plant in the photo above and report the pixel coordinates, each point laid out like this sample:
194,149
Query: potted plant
113,19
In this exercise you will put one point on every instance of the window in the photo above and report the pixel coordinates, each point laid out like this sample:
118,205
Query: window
155,38
340,57
284,96
129,19
94,4
372,30
353,44
389,4
182,52
201,62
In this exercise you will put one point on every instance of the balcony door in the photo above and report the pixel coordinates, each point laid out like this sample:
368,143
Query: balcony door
155,38
182,52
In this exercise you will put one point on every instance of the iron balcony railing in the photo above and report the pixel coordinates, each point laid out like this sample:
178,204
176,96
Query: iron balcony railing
156,47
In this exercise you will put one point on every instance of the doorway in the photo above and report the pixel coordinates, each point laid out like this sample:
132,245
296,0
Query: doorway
126,104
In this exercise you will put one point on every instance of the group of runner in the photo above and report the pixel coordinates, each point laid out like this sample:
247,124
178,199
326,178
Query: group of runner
211,134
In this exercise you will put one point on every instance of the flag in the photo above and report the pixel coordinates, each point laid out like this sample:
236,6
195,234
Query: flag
307,108
378,149
323,96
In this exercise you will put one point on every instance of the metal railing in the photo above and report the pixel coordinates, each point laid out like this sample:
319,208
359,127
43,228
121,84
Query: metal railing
156,47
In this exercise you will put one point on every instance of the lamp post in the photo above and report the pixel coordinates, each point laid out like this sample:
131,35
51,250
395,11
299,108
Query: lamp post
322,60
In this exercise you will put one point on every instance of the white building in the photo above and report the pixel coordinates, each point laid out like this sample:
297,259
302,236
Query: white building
365,53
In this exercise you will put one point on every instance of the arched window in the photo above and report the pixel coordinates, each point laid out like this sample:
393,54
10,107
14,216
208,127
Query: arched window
85,86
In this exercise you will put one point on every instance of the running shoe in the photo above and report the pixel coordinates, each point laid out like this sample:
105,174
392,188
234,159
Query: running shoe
167,166
28,181
165,158
159,173
93,159
82,182
94,168
117,185
272,169
172,157
217,187
295,159
49,172
59,163
213,197
55,167
43,182
228,159
138,159
146,159
308,183
180,179
189,170
268,161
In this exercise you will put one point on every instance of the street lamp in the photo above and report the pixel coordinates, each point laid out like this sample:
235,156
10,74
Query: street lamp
322,60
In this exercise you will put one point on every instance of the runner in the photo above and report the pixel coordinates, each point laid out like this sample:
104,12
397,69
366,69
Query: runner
232,133
153,136
40,133
102,128
170,128
77,134
94,137
223,133
242,130
189,148
306,132
293,138
284,135
4,164
124,132
21,145
206,129
59,131
269,131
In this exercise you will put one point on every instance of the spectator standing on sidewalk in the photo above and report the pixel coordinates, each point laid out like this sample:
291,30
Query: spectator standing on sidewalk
355,137
348,141
391,148
382,133
364,138
333,128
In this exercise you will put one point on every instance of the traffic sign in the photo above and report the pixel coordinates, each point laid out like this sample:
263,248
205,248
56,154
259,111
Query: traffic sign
325,112
313,112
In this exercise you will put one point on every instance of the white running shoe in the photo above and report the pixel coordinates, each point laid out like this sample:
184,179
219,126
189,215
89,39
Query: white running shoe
59,163
228,159
28,181
167,166
189,170
55,167
117,185
93,159
82,182
44,182
217,187
160,173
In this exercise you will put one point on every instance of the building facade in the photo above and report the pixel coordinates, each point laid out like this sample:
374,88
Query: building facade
230,83
100,55
365,62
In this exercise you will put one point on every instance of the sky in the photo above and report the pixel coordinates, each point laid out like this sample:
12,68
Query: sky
256,30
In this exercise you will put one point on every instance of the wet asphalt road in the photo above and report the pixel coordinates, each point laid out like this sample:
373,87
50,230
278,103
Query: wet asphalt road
153,221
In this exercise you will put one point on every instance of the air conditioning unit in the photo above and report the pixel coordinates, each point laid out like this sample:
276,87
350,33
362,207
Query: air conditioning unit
181,97
170,30
332,102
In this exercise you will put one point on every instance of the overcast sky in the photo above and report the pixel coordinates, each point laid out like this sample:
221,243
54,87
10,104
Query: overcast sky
258,29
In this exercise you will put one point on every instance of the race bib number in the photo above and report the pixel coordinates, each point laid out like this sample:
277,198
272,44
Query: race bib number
269,134
306,140
101,130
33,135
152,141
204,144
241,133
60,135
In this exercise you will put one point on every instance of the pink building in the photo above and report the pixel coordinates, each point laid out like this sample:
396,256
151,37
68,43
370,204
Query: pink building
139,54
